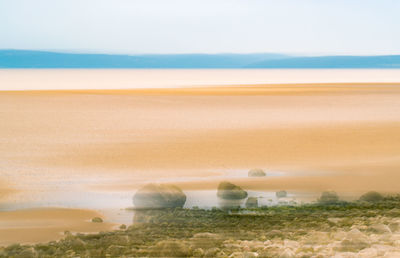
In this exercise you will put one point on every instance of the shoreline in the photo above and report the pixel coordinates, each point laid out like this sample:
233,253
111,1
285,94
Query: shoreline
28,226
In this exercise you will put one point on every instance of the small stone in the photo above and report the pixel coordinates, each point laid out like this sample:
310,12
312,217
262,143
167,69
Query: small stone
97,220
367,252
287,253
281,194
252,202
379,228
256,172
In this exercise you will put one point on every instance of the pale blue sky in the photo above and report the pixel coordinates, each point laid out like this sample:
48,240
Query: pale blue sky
203,26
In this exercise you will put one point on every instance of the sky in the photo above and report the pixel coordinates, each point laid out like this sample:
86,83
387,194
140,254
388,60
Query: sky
311,27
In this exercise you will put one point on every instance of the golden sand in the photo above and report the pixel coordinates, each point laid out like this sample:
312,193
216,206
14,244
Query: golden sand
42,225
347,129
343,137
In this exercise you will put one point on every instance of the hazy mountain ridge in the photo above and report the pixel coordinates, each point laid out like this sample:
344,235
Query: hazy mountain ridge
43,59
46,59
388,61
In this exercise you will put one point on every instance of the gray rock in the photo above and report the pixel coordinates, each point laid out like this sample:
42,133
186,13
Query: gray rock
256,172
394,226
371,196
328,197
229,191
230,196
156,196
252,202
379,228
287,253
281,194
354,241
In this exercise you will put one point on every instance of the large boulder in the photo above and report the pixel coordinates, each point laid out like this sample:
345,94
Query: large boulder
371,196
158,196
229,191
328,197
230,196
256,172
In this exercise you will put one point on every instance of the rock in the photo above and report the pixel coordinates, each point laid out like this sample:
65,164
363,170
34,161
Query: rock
392,254
212,252
291,244
205,240
371,196
345,255
334,220
230,191
367,252
256,172
171,248
230,196
328,197
281,194
354,241
394,226
157,196
379,228
236,255
97,220
287,253
383,249
252,202
250,254
77,244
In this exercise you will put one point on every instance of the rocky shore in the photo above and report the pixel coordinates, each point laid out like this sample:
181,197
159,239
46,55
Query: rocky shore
342,229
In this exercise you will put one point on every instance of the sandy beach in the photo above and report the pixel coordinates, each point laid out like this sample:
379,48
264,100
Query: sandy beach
42,225
97,142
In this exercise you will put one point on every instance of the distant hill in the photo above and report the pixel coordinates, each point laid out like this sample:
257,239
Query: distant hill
331,62
45,59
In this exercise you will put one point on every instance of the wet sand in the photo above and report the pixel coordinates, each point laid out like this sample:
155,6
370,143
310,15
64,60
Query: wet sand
322,136
43,225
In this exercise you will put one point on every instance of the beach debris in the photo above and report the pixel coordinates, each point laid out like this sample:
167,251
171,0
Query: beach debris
157,196
256,172
97,220
281,194
371,196
252,202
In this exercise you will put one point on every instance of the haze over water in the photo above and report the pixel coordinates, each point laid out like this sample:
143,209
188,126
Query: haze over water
53,79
